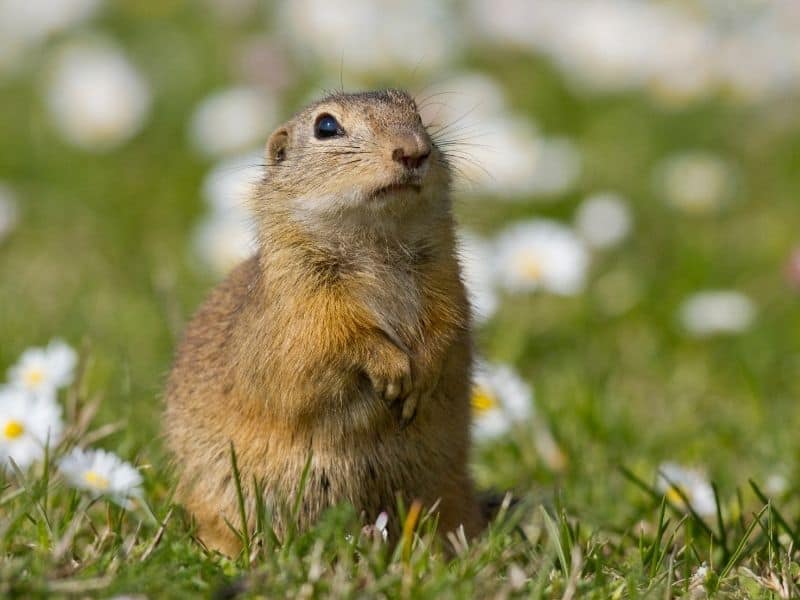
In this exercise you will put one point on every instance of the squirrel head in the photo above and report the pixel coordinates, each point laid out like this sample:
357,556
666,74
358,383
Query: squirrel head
355,154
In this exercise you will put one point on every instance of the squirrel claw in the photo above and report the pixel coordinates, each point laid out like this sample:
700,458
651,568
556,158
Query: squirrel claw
391,389
409,410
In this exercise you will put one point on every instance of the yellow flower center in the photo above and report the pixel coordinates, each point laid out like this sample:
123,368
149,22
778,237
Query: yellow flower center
699,205
483,400
530,267
34,377
674,496
97,481
13,430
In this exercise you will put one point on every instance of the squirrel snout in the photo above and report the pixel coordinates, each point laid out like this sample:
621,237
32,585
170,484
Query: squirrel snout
411,151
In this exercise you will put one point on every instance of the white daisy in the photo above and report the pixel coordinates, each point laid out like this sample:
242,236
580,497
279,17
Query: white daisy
717,312
747,48
478,274
600,45
460,107
43,371
226,236
603,219
612,45
541,254
691,482
500,398
102,473
231,182
27,424
504,154
512,22
377,530
9,213
776,484
26,23
462,103
223,240
232,120
695,182
510,159
36,19
372,35
758,62
685,82
698,581
557,167
381,525
98,100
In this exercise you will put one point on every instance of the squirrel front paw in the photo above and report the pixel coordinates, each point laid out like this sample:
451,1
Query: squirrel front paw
391,385
390,374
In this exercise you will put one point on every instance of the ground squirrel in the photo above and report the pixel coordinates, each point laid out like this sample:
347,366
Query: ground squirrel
346,338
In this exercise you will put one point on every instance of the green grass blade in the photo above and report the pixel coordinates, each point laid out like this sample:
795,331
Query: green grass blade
555,539
739,551
244,533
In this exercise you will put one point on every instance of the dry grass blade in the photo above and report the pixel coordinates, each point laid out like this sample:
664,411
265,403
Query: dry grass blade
409,527
157,538
66,540
80,586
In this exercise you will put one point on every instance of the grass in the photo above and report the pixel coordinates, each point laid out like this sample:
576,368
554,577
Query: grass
57,544
101,258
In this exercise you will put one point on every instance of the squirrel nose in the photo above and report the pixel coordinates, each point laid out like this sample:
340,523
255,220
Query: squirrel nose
411,151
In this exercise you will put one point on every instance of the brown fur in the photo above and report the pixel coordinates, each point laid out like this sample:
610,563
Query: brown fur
345,339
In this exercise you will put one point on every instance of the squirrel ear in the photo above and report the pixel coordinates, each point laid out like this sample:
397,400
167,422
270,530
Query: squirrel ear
277,144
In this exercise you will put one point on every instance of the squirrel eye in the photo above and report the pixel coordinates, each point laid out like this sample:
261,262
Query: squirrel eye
327,127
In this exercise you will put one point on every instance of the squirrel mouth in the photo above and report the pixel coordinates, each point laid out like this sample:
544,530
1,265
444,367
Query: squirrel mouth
396,188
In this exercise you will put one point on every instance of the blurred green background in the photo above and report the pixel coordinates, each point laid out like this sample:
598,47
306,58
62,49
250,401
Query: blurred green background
686,112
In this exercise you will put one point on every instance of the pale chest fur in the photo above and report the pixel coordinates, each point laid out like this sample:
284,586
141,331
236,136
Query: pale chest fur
395,300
